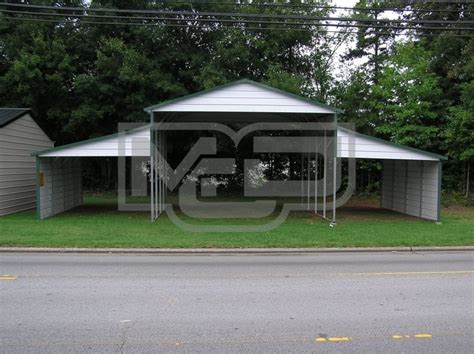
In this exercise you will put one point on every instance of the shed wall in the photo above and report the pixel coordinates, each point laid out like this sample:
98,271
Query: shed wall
17,167
412,187
62,187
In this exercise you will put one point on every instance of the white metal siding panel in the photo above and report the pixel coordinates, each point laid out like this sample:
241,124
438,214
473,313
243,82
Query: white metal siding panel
243,97
17,167
387,184
9,195
367,148
414,191
134,144
19,206
8,131
62,188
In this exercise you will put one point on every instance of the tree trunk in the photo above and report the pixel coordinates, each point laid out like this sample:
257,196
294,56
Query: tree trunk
376,54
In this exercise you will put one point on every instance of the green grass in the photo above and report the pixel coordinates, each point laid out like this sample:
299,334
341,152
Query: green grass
97,224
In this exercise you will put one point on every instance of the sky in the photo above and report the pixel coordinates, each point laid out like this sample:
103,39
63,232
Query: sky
338,65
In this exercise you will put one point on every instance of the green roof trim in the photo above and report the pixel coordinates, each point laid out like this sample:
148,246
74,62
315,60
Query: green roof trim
440,175
84,142
37,189
243,81
409,148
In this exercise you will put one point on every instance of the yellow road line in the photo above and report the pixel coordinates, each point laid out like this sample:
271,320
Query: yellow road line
420,335
395,336
7,277
339,339
447,272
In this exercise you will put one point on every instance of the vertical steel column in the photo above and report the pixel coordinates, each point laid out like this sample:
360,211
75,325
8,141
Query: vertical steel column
334,180
158,181
422,172
325,173
152,182
165,170
302,178
406,186
393,164
308,193
162,170
159,172
316,176
334,169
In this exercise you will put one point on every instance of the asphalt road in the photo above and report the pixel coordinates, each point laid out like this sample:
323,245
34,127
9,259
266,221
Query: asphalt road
289,303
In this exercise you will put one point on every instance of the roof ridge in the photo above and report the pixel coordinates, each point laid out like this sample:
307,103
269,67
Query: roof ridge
150,109
9,115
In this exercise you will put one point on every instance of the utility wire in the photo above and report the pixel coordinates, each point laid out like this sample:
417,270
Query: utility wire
133,18
157,24
215,20
234,14
313,6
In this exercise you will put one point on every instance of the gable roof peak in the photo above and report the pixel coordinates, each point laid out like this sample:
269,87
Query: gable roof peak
289,95
9,115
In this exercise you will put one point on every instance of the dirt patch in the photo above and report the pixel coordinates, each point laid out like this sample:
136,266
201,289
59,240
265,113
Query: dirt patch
363,202
459,210
370,213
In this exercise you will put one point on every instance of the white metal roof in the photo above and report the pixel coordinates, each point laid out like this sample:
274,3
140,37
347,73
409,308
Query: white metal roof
351,144
243,96
137,143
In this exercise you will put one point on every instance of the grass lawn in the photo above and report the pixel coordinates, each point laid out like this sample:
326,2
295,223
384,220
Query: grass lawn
98,224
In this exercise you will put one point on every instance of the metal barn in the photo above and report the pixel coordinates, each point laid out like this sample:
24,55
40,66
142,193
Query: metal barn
20,135
411,177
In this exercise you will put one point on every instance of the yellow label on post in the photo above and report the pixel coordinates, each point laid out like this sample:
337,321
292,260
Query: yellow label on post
41,179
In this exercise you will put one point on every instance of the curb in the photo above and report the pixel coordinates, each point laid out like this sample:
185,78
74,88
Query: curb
232,251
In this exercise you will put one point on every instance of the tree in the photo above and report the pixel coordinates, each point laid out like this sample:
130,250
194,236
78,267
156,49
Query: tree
122,82
460,126
38,74
406,92
451,61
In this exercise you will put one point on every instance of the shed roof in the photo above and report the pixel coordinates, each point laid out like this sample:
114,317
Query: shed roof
8,115
243,96
137,143
353,144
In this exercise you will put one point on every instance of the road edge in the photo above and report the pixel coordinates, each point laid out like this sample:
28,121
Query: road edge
230,251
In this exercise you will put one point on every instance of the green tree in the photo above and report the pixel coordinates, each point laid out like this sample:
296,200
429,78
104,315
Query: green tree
38,74
460,126
406,92
122,82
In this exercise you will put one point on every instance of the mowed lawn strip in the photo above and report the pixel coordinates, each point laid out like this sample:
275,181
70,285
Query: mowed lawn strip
96,226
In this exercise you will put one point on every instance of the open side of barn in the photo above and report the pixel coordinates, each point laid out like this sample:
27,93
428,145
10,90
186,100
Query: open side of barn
411,177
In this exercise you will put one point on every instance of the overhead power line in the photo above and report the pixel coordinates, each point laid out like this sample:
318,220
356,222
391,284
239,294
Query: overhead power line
222,14
309,5
161,24
234,21
232,14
